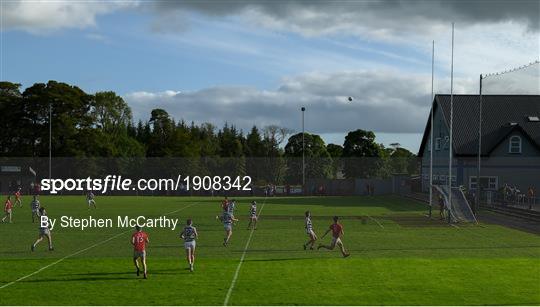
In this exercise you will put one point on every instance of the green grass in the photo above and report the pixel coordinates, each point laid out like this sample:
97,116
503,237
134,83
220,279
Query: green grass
398,257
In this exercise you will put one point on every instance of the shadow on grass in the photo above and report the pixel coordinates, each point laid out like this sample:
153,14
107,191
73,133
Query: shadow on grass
79,279
280,259
390,202
105,276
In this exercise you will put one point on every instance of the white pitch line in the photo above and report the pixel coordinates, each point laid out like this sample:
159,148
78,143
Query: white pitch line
235,277
76,253
376,221
193,204
62,259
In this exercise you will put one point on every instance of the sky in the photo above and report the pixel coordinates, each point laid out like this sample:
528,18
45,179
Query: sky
258,62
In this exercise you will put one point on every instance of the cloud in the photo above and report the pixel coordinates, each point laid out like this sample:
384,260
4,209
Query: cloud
97,37
377,19
490,35
384,101
521,80
41,17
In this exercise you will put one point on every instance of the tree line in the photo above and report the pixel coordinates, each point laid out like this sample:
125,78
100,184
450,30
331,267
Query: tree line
101,125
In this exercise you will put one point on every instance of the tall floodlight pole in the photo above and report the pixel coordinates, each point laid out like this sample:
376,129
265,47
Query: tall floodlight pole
303,109
50,141
431,130
477,202
451,127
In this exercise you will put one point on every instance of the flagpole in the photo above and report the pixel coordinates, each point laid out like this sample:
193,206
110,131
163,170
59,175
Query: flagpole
431,130
451,128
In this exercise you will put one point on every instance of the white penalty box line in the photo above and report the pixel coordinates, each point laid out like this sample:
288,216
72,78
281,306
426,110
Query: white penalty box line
237,272
80,252
373,219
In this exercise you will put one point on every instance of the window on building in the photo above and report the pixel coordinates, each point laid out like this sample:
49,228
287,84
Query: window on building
438,144
493,183
486,182
515,145
446,142
472,183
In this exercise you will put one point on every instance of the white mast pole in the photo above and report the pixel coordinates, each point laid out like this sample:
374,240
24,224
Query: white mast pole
478,190
431,130
450,145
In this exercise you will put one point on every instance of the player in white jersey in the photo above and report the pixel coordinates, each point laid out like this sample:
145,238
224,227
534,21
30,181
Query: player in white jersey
231,207
253,216
230,210
189,234
228,221
309,231
90,200
44,232
35,205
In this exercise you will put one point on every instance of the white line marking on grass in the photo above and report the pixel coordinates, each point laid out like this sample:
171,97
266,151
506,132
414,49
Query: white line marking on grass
62,259
375,221
78,252
193,204
235,277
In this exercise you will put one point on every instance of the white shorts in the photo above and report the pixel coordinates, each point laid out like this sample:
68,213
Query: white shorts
310,232
227,227
35,211
190,245
336,241
8,211
91,202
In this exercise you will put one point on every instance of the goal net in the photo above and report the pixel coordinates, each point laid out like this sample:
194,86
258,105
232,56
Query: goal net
459,207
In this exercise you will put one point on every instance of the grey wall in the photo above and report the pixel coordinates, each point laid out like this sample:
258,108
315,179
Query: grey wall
381,186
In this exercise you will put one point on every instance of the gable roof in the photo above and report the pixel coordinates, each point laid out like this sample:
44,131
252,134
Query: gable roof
498,111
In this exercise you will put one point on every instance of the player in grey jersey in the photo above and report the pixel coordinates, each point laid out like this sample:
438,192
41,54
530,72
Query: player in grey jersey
35,205
253,216
189,234
90,199
44,232
228,221
309,231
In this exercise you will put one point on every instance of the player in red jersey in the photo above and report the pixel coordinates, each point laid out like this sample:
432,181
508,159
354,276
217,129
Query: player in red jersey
224,208
225,204
18,199
337,233
139,239
8,207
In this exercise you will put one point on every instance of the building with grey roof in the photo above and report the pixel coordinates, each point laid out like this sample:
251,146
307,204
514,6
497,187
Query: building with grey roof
510,152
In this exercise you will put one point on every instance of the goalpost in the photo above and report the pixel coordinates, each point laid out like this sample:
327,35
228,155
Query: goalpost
456,204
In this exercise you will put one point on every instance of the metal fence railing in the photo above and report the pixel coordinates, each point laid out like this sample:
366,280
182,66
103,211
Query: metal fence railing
514,199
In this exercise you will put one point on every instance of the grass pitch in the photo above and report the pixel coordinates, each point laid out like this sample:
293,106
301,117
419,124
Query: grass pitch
399,257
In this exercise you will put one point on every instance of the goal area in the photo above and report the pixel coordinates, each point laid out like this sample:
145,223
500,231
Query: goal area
456,204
